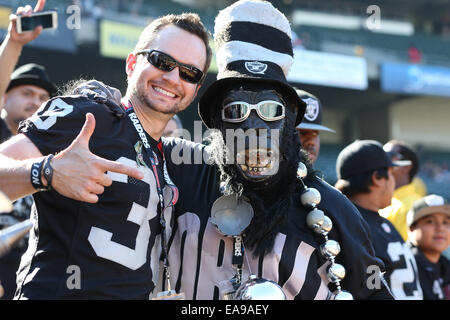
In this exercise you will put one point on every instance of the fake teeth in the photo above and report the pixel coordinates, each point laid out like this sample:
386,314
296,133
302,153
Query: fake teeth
167,93
245,168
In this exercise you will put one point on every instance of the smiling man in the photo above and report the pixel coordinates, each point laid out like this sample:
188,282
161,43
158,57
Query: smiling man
105,242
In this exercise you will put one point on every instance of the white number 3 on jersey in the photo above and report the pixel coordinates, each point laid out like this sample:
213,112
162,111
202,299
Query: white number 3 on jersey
57,108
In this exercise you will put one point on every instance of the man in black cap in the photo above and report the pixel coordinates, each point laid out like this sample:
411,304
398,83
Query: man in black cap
29,86
311,125
365,176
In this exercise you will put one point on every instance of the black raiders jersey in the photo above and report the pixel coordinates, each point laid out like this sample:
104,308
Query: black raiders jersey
201,258
434,277
78,250
401,268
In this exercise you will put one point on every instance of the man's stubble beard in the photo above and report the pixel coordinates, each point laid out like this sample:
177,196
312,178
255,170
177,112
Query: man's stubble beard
141,94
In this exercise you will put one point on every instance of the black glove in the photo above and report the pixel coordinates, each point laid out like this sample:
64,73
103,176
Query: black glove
101,93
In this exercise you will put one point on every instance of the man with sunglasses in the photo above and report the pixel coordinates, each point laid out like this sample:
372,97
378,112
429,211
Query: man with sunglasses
99,226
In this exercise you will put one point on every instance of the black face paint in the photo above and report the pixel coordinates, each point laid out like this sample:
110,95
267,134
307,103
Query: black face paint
254,142
268,196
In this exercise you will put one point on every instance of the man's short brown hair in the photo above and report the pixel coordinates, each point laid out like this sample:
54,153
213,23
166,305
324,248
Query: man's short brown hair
189,22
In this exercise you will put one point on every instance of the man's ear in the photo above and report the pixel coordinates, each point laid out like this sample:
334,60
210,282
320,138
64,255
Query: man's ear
376,179
130,64
196,89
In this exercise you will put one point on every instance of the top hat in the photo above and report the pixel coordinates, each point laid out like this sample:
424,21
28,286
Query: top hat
253,45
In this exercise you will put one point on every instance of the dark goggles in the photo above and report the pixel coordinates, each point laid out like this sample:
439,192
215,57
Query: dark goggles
238,111
166,63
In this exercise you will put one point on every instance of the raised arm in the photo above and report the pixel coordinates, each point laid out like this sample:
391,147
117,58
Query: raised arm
11,47
77,173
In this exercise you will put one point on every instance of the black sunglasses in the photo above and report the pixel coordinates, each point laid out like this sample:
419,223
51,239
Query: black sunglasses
166,63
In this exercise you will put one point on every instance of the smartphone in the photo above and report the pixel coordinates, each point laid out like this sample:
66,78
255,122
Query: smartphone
46,19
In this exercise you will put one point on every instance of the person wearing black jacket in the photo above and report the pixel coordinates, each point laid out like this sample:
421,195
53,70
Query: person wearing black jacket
365,176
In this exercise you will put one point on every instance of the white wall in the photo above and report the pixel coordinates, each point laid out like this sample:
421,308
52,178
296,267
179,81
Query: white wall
422,120
332,119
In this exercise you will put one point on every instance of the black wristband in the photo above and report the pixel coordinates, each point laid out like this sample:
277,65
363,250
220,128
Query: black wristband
35,176
42,168
48,171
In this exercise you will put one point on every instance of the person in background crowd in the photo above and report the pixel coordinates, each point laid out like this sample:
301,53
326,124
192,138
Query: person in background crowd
429,235
365,176
408,187
25,89
308,129
21,94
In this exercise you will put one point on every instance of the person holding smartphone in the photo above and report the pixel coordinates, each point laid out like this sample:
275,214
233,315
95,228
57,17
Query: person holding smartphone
24,90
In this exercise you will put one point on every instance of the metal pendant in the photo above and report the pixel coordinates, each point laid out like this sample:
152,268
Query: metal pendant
231,215
259,289
343,295
169,295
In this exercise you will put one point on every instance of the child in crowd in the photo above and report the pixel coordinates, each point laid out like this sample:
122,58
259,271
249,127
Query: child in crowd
429,235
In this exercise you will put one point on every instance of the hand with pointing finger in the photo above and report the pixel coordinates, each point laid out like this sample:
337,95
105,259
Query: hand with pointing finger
81,175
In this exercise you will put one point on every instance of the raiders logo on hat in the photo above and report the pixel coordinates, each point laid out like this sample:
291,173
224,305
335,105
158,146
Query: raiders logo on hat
253,42
312,109
255,67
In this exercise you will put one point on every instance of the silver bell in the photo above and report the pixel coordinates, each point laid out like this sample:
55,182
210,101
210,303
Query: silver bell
259,289
327,225
336,272
314,220
330,249
343,295
302,171
310,197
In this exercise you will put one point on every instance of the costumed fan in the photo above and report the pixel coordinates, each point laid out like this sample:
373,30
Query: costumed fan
252,219
256,223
